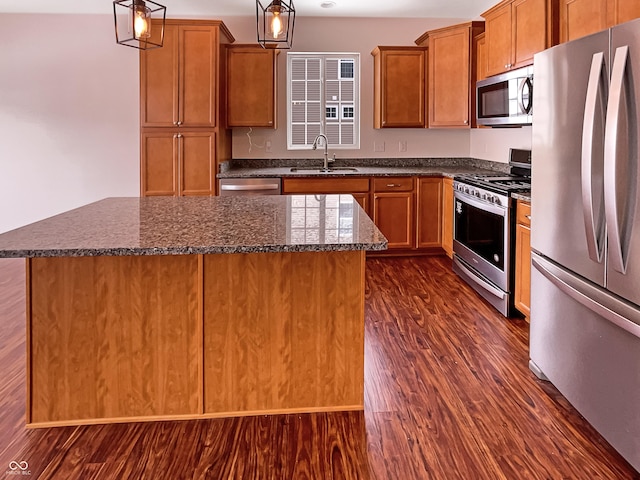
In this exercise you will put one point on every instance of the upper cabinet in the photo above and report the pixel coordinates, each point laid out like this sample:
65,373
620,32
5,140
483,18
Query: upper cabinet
515,30
251,86
481,56
399,87
452,74
583,17
179,82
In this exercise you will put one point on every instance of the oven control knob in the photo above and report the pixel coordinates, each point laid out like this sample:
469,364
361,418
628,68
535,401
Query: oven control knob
466,190
496,200
477,193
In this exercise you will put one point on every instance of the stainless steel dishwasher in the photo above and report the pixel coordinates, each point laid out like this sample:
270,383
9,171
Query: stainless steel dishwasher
250,186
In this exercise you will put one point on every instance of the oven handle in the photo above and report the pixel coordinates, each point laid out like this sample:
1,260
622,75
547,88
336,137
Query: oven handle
488,207
496,292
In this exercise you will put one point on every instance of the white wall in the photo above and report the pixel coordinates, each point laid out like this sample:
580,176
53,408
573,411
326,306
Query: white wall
69,115
361,35
494,143
69,108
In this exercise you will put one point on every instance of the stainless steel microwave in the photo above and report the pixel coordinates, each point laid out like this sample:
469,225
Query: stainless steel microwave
507,99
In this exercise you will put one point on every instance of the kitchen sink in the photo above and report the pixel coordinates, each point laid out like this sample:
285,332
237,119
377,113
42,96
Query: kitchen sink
321,170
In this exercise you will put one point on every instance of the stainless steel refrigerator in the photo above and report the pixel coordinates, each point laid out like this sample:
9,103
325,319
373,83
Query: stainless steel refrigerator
585,232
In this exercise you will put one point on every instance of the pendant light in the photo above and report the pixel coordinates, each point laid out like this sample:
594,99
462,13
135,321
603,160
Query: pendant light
275,24
139,23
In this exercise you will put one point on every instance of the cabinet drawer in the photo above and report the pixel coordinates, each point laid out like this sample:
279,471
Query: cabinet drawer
325,185
523,213
393,184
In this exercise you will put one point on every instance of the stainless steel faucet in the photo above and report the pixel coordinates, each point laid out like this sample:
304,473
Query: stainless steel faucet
325,164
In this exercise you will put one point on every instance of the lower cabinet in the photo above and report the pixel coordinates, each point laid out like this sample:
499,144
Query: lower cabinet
522,297
447,216
178,163
393,210
356,186
429,212
407,210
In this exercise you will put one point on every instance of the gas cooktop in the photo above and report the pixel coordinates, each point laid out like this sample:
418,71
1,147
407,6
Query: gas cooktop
501,183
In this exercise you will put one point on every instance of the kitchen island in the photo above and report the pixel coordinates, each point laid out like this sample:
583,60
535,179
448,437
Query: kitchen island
178,308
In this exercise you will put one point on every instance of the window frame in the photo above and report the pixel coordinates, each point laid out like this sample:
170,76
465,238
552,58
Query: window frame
324,104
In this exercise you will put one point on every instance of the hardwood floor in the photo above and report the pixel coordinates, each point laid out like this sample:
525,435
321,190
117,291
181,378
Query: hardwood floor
448,395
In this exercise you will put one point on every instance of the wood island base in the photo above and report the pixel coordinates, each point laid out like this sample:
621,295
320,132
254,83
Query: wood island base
140,338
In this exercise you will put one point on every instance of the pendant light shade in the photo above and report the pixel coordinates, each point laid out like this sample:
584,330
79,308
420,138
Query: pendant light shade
275,23
134,26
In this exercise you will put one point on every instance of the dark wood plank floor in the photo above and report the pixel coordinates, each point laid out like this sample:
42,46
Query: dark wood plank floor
448,396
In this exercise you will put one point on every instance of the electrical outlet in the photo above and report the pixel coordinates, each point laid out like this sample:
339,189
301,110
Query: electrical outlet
378,146
267,146
402,146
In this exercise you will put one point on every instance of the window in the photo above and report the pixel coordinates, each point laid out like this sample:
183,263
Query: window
323,82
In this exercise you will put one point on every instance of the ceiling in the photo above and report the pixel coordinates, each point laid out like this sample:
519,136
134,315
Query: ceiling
467,9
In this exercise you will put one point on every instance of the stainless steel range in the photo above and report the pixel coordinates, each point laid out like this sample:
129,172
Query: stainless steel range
484,230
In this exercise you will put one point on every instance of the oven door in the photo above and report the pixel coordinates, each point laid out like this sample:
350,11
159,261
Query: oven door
481,237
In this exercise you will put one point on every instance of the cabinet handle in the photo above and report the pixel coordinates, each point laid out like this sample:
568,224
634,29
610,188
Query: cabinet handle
392,185
528,217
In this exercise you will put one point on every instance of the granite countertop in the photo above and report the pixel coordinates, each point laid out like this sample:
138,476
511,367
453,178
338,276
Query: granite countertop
447,167
438,171
526,196
199,225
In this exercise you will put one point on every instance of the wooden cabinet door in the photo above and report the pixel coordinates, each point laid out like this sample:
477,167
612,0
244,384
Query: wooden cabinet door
581,17
449,78
363,200
159,82
399,87
498,35
196,163
530,34
522,296
158,172
198,73
393,215
429,212
621,11
447,216
481,57
251,86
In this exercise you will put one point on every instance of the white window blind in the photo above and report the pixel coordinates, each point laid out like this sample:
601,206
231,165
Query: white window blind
323,97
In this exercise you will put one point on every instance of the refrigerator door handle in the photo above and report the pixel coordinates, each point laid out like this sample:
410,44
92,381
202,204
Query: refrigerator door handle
619,231
593,126
599,301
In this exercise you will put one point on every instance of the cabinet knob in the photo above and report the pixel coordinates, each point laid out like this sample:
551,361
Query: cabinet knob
179,135
466,121
179,123
528,217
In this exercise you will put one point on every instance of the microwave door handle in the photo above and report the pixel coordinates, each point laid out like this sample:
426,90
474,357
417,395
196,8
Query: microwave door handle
618,233
593,117
528,84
